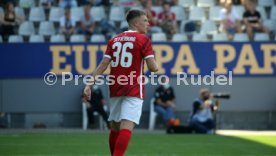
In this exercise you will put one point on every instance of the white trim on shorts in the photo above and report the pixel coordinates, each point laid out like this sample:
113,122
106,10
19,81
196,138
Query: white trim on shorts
125,107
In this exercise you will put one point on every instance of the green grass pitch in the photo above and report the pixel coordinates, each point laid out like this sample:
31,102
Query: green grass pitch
95,144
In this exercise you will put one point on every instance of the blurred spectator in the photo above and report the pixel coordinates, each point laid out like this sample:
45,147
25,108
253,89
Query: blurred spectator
95,102
161,2
252,20
67,24
202,116
230,22
47,3
9,21
107,28
151,17
68,3
3,120
87,22
4,2
165,103
94,2
167,20
234,2
127,3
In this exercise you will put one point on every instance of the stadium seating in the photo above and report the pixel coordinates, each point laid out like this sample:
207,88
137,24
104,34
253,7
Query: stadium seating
57,39
262,12
209,27
205,3
240,10
179,13
46,28
123,24
77,13
215,13
37,14
261,37
200,38
19,12
186,3
36,39
152,115
222,37
26,3
97,38
55,14
77,38
186,10
266,3
15,39
98,13
273,13
158,37
26,29
197,14
157,9
270,24
117,14
179,38
241,37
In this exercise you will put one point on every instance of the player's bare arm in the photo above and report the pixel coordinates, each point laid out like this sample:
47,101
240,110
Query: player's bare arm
99,70
151,63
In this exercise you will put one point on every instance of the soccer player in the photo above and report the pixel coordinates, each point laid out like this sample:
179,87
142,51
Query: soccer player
126,54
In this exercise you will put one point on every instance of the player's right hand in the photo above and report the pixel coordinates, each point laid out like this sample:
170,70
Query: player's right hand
87,91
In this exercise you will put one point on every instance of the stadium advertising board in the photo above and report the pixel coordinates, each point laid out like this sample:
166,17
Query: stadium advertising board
193,58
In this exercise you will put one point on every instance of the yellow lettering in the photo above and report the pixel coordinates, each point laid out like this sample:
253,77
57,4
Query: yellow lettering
247,58
222,59
185,58
162,59
102,49
79,50
57,59
268,58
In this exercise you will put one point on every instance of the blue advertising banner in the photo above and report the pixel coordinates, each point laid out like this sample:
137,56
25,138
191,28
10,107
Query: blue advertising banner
194,58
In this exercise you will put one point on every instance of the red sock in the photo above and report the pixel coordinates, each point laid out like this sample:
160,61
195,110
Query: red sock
122,142
113,135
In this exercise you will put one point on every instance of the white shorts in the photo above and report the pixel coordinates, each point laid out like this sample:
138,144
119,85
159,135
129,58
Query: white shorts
128,108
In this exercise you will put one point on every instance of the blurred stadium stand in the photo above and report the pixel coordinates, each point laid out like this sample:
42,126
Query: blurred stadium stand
186,10
41,26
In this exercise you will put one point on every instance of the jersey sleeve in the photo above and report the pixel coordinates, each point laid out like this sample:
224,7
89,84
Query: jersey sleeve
108,51
147,51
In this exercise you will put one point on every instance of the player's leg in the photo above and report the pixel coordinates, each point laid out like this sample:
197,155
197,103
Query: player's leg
124,136
113,135
130,115
114,118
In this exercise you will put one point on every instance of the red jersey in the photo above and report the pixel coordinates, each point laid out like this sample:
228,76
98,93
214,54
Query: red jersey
127,52
166,16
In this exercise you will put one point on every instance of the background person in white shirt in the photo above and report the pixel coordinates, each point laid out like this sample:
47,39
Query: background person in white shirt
230,21
67,24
